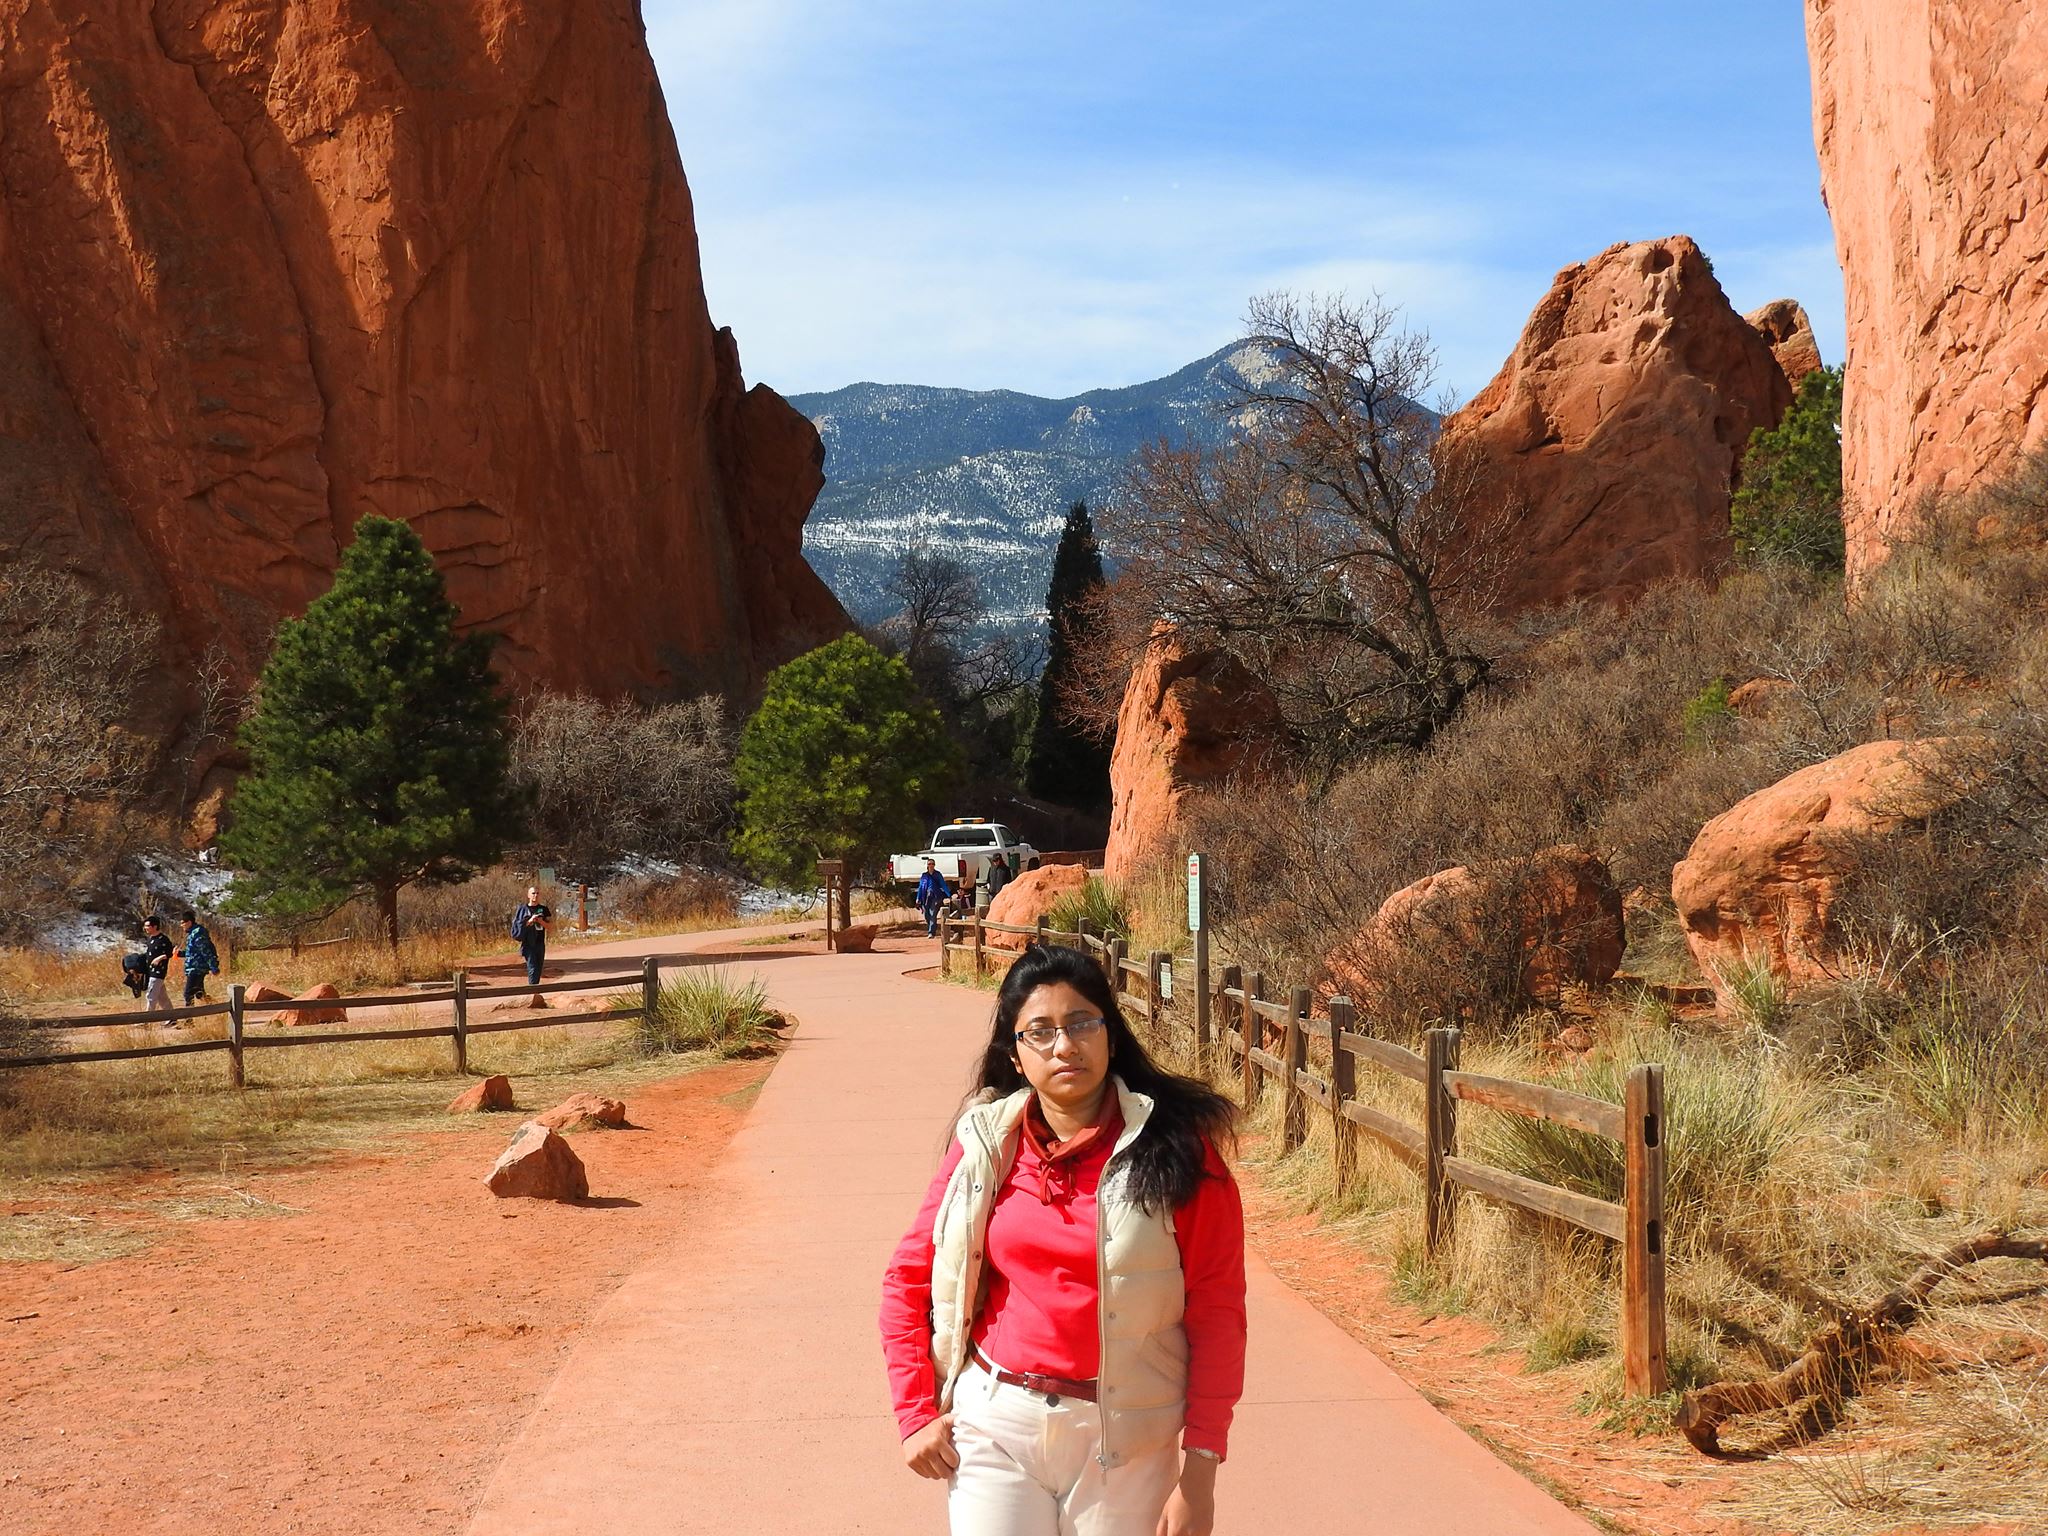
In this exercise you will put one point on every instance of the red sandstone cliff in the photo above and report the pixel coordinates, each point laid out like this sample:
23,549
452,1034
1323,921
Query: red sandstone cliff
267,267
1191,721
1611,437
1934,158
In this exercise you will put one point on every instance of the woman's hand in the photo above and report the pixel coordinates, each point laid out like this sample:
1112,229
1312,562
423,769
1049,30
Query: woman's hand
929,1451
1191,1507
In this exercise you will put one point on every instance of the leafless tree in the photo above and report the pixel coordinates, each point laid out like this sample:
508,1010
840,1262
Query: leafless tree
74,662
600,782
1335,548
941,605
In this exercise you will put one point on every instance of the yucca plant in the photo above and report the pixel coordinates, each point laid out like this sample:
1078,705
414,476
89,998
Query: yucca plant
705,1009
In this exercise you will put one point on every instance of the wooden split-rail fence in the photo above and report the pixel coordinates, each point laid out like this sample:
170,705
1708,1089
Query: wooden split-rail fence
1266,1036
458,994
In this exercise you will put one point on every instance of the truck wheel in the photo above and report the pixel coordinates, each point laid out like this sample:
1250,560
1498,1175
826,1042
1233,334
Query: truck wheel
1032,865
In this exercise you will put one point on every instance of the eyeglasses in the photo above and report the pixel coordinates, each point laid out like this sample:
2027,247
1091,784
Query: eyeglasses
1042,1037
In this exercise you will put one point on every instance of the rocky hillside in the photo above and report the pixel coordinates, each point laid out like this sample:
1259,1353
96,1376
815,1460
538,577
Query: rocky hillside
989,474
265,268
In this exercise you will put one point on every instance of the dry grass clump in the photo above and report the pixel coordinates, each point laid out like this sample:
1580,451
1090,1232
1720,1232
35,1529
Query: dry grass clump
707,1008
180,1114
442,929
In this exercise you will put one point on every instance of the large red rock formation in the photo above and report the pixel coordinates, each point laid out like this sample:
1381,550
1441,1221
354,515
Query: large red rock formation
1029,897
1759,884
1610,439
267,267
1788,332
1515,930
1934,159
1191,720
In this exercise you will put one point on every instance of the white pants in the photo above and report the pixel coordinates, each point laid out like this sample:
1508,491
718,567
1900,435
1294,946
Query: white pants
1027,1469
159,995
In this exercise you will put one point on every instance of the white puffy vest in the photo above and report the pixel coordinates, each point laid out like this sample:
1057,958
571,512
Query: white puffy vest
1143,1374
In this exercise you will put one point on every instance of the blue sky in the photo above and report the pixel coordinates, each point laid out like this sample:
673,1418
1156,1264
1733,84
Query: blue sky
1060,196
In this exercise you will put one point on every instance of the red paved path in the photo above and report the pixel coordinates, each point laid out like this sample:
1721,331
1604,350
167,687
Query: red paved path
736,1385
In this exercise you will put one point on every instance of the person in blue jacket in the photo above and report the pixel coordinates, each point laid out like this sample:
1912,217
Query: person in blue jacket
201,958
932,892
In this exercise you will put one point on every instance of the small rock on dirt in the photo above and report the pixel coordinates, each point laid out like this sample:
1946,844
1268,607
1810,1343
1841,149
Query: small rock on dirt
521,1004
857,940
492,1093
539,1165
585,1112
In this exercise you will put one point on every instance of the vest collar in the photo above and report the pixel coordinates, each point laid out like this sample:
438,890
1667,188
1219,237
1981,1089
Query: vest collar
997,1122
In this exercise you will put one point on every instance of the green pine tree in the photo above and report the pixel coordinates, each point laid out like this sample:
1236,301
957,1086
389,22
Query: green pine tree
378,750
1067,765
1789,505
843,760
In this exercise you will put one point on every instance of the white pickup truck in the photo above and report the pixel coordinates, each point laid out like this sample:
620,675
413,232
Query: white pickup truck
966,843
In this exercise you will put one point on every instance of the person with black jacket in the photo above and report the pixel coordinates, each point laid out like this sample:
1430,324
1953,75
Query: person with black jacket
530,928
156,963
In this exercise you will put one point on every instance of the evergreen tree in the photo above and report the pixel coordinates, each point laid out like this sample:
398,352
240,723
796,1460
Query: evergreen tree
843,760
1067,765
378,750
1789,505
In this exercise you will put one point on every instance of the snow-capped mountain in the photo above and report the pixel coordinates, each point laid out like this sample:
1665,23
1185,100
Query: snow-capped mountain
988,475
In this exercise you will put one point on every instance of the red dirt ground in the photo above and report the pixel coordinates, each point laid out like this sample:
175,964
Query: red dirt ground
357,1366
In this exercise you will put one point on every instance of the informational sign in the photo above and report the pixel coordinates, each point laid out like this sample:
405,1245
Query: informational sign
1166,980
547,876
831,869
1195,873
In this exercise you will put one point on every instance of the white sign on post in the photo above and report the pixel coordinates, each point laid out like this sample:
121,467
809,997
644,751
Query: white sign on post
1194,893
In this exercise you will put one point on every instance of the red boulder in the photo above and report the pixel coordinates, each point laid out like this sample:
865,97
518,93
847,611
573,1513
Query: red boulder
539,1165
585,1112
493,1093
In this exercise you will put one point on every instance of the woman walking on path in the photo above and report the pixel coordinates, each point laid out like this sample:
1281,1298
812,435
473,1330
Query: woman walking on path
1064,1323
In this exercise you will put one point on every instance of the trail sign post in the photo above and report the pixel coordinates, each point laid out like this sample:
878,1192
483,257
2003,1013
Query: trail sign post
831,871
1198,870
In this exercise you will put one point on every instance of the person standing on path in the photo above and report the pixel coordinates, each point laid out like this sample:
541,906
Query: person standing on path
932,892
156,963
530,928
1064,1323
201,959
996,878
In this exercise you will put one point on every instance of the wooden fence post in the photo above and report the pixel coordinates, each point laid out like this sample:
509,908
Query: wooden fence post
1153,962
1294,1052
1642,1263
1343,1088
945,938
1254,1035
1440,1138
979,942
461,1023
1232,977
237,1004
1041,933
650,988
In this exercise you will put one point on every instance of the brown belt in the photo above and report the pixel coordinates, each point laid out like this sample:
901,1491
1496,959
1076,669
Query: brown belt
1052,1388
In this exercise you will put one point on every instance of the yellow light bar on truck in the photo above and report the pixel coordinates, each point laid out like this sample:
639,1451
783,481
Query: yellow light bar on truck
967,821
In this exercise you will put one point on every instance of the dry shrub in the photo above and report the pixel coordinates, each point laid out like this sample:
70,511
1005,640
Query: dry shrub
689,899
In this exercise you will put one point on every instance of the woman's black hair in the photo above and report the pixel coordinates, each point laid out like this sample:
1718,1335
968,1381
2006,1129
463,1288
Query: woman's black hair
1165,1162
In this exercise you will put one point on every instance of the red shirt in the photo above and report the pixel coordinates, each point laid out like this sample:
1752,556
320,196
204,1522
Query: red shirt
1041,1313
